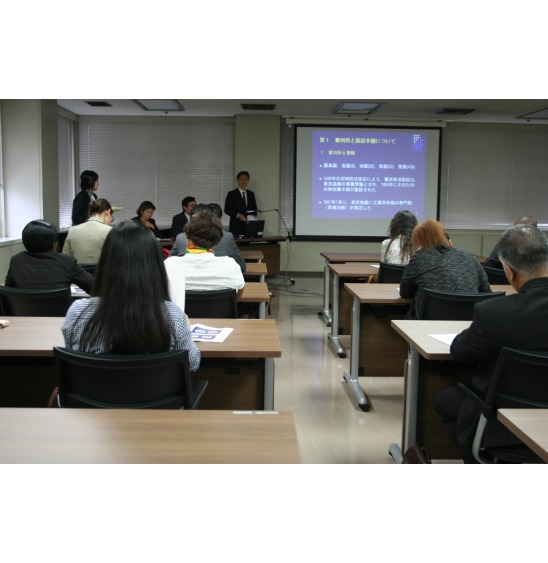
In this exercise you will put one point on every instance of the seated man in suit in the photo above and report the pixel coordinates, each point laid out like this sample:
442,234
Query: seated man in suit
181,219
199,268
493,259
240,203
41,266
227,245
516,321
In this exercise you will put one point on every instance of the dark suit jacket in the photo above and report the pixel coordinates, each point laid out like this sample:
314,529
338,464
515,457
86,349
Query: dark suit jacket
234,205
46,270
516,321
178,223
227,247
80,207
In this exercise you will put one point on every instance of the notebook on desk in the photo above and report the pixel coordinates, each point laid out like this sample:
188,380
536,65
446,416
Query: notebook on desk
254,229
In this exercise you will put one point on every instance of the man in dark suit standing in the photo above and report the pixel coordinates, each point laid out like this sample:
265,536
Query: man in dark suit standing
240,203
516,321
181,219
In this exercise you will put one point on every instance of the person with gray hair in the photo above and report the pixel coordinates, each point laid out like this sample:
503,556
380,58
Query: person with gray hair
493,259
516,321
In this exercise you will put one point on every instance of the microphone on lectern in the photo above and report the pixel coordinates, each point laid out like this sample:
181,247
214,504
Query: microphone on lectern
282,219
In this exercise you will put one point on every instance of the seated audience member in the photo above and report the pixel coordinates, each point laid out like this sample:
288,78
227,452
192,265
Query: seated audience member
86,240
398,248
144,216
181,219
89,184
201,269
493,259
227,245
515,321
130,311
438,265
41,266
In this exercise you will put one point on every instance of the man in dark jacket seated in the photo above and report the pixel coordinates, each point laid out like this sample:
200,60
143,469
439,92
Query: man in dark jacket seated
515,321
41,266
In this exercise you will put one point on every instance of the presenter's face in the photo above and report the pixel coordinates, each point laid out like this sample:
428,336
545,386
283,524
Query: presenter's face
189,207
242,182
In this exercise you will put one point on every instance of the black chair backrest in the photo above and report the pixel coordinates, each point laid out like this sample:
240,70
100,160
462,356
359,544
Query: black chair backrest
496,276
90,268
34,302
520,380
149,381
218,303
446,306
390,273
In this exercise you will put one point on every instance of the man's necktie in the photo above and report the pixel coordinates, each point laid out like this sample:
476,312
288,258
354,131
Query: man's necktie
244,200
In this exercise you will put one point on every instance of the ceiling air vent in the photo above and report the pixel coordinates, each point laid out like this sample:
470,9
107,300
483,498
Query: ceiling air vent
454,111
99,104
259,107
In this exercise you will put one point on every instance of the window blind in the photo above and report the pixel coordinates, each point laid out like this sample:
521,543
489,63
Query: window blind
158,162
65,150
492,174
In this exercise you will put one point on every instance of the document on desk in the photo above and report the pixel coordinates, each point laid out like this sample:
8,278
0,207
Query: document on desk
203,333
445,338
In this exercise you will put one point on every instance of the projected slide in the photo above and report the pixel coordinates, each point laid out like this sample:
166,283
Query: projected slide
351,181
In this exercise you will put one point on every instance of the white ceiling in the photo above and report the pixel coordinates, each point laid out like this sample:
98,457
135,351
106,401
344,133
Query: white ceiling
485,111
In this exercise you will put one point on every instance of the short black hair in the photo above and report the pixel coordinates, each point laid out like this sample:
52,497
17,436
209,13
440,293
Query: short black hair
243,173
216,208
199,208
39,236
187,200
88,179
144,206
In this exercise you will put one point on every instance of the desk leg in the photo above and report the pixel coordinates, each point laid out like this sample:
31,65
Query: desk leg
269,384
333,337
411,397
325,311
262,310
352,377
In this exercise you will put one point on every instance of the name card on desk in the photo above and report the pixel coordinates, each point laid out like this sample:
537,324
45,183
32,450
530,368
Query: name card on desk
445,338
203,333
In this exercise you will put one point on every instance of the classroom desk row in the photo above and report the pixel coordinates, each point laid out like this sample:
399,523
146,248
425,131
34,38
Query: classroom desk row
146,436
381,344
240,370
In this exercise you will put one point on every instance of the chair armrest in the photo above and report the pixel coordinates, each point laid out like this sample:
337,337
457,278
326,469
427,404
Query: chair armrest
486,410
198,392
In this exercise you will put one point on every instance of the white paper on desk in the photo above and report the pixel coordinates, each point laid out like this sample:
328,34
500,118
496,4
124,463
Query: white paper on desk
445,338
203,333
375,265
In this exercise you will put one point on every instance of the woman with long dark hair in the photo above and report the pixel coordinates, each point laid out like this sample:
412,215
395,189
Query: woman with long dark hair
130,311
398,247
89,184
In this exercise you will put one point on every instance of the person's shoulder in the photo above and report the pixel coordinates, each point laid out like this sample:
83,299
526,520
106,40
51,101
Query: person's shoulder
82,305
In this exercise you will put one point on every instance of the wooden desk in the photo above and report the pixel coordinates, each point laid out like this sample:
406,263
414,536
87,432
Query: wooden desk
530,426
146,436
345,270
389,353
269,246
332,257
252,255
27,372
256,269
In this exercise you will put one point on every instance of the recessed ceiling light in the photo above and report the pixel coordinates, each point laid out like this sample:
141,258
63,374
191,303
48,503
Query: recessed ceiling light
454,111
363,108
99,104
259,107
160,105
